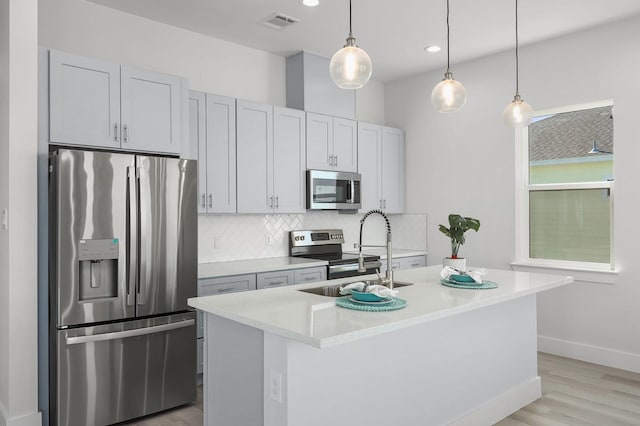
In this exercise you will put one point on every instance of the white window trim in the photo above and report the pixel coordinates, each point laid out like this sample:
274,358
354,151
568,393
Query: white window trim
582,271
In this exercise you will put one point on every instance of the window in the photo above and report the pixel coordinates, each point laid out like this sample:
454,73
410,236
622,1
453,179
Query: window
565,201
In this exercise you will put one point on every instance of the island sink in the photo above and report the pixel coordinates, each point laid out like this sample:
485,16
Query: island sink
334,290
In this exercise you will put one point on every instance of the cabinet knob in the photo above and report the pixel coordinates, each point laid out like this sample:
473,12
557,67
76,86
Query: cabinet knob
204,201
115,132
125,134
210,200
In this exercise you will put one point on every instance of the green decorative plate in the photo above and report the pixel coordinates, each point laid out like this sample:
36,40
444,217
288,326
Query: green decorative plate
397,303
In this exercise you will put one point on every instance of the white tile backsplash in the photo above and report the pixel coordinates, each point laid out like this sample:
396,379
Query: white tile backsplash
249,236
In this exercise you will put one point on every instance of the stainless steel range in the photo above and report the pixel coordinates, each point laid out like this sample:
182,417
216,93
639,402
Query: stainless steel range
326,244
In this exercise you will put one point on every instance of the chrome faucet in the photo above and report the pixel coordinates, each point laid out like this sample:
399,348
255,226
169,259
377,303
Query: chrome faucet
388,279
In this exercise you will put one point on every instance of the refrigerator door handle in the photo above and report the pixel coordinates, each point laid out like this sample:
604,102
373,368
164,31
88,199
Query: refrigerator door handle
128,333
132,232
143,236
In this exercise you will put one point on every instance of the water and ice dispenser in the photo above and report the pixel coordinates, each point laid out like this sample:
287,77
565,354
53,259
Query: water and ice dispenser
98,274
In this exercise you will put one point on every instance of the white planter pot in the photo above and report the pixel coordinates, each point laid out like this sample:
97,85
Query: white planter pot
460,263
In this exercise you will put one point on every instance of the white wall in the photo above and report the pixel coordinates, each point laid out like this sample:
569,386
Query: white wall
370,103
18,280
464,163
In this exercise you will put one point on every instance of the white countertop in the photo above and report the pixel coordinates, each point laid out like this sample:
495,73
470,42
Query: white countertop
317,321
382,252
253,266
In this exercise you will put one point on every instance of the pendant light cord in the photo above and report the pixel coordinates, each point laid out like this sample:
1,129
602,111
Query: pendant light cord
350,33
517,61
447,35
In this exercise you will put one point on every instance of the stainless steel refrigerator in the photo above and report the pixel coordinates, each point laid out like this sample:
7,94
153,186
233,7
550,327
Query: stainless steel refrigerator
123,261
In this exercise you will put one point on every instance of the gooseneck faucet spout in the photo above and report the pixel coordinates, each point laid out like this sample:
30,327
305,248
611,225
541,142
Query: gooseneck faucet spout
388,279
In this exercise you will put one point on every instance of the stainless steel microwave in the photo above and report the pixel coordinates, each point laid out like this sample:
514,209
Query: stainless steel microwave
327,190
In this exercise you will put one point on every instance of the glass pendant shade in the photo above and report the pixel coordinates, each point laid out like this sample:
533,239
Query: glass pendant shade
350,67
449,95
518,113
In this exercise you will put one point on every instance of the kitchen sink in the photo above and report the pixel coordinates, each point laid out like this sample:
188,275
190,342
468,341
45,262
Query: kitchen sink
334,290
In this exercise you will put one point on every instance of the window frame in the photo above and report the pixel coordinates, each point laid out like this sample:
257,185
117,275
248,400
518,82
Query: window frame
523,189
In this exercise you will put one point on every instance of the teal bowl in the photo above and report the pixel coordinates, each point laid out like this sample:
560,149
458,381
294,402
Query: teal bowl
461,278
366,297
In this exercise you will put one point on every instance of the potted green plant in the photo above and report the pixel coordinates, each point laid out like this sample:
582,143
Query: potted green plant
458,225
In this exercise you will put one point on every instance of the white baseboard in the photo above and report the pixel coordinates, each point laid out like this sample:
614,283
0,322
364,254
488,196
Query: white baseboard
31,419
590,353
502,406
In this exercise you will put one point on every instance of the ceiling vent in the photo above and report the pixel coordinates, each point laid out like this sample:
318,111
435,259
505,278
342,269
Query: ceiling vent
278,21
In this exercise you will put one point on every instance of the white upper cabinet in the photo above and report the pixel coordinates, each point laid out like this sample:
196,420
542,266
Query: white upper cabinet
310,87
270,144
221,154
381,164
99,104
332,143
84,101
289,155
212,128
150,111
370,165
254,138
393,170
198,143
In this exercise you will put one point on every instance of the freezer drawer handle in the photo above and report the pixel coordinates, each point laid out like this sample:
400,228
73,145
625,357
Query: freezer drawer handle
128,333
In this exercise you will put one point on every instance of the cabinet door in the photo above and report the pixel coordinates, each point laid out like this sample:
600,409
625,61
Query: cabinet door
393,170
84,99
198,141
369,165
274,279
254,137
288,165
345,145
309,275
150,111
319,141
221,154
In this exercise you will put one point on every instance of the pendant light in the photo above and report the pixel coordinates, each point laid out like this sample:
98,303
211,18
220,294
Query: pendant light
518,113
350,67
449,95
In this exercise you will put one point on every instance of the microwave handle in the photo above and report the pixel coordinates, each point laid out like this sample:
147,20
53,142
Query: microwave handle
350,196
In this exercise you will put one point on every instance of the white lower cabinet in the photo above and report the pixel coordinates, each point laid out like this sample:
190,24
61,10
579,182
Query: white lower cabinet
309,275
274,279
214,286
404,263
245,282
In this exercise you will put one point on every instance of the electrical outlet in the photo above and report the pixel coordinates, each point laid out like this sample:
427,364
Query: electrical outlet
267,240
275,386
216,241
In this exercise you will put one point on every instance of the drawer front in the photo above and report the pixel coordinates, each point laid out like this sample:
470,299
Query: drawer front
414,262
274,279
213,286
309,275
395,265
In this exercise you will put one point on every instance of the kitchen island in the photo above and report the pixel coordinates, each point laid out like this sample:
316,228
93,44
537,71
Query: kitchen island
451,356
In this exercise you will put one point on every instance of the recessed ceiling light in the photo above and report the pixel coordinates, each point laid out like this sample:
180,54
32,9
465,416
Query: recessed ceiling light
432,49
310,3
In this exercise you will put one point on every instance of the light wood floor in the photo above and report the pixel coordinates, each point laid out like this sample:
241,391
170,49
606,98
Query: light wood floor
573,393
